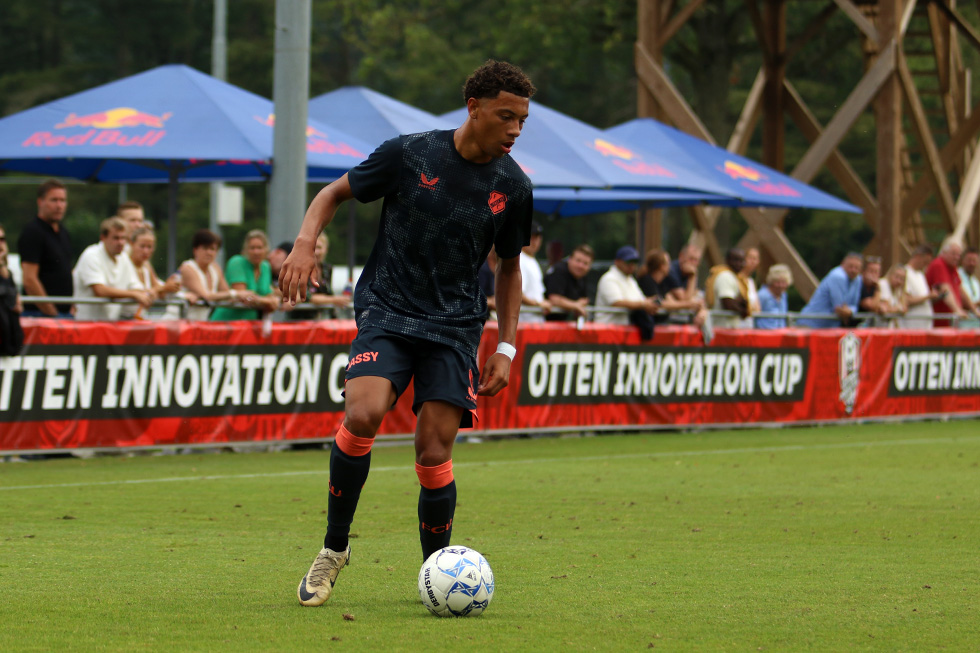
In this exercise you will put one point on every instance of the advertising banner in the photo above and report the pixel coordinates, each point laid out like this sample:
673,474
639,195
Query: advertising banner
89,385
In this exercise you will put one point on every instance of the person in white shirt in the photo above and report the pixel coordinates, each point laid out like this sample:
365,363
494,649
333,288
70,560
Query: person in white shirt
618,289
918,295
104,271
971,285
891,296
726,291
532,279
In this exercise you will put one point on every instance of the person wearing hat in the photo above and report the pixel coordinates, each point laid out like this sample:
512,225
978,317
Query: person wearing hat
532,279
618,289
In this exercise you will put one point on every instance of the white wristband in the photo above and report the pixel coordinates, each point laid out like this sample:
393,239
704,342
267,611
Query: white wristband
507,350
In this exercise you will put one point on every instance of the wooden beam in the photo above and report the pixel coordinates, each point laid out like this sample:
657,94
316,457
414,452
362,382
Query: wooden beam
773,129
761,35
845,117
966,203
747,120
779,247
678,111
858,19
678,21
934,168
964,27
889,135
903,24
838,165
962,138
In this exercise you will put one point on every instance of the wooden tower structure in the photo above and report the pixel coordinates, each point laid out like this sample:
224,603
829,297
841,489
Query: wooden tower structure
914,83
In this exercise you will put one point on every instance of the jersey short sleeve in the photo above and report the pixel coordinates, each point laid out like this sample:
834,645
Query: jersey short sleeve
516,230
379,174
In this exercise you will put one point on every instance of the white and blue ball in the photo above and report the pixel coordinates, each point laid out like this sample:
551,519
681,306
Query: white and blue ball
456,581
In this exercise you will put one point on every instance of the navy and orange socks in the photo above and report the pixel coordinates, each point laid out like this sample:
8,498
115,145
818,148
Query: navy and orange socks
350,462
437,505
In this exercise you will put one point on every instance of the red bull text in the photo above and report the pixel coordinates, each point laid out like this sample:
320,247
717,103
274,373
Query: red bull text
105,128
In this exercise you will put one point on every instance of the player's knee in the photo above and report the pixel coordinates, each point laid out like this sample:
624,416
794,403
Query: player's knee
433,453
362,421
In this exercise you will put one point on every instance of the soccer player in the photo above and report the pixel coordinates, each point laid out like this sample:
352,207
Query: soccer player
448,197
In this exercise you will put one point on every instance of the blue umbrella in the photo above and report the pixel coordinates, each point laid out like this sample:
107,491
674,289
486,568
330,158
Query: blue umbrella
753,182
375,117
569,202
591,153
168,124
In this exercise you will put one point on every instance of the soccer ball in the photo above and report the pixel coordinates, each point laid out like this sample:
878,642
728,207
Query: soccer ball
456,582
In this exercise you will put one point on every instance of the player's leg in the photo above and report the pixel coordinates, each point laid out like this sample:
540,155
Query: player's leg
435,434
378,372
445,399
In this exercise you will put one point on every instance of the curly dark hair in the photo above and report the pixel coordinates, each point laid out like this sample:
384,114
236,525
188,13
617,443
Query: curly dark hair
491,78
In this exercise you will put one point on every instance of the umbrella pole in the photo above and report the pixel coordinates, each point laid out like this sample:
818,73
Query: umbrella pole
172,222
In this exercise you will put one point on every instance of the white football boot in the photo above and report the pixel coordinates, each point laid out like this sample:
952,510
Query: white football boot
318,582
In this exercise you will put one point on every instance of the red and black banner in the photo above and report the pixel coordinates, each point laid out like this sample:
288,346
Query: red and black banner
81,385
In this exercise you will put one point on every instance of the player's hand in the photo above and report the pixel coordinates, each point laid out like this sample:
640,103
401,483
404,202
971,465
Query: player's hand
496,375
296,272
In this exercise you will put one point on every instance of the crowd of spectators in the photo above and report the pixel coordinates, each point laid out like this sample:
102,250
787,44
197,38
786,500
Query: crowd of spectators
927,290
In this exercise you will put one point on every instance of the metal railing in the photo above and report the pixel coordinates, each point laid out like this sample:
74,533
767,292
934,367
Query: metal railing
677,317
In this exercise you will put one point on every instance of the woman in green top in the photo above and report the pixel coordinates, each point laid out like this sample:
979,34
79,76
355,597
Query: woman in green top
250,271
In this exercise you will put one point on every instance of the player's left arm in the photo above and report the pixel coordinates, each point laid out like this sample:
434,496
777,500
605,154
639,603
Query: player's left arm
496,372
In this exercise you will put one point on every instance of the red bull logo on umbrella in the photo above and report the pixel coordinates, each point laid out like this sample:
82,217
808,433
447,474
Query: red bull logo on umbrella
757,181
317,141
105,128
628,160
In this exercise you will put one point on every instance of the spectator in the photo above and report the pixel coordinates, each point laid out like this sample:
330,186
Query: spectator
943,276
752,292
618,289
838,293
487,277
870,301
726,291
970,283
46,253
11,334
655,282
132,214
322,294
104,271
918,294
565,285
250,274
684,271
892,295
772,297
142,244
277,256
532,281
202,278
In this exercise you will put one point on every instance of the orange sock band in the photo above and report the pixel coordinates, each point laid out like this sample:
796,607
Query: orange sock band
352,445
433,478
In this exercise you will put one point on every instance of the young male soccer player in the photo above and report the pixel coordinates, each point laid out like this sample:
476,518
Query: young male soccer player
448,197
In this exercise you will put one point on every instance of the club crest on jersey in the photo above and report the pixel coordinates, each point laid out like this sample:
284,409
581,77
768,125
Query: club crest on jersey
429,183
497,202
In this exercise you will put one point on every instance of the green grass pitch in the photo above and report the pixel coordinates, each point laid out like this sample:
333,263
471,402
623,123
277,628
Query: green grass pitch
861,537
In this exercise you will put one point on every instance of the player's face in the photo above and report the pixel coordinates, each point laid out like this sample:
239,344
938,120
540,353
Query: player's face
52,207
499,122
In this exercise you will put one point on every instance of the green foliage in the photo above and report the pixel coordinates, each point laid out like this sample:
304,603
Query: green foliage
834,538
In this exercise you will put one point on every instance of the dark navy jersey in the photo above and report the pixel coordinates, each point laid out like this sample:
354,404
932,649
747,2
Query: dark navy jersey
441,215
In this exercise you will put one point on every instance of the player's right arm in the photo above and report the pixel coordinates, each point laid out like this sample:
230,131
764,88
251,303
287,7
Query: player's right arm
301,262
